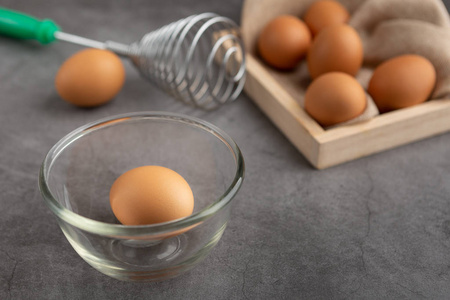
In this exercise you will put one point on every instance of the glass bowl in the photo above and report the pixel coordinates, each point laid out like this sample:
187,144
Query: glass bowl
77,174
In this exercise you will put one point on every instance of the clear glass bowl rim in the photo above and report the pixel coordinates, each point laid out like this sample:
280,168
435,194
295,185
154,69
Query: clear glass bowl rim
118,230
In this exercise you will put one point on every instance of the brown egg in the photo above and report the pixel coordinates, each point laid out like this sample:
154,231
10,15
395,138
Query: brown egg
325,13
402,81
335,49
90,77
334,98
149,195
284,41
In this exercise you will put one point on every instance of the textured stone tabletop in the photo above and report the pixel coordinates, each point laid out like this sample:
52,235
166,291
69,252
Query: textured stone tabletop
374,228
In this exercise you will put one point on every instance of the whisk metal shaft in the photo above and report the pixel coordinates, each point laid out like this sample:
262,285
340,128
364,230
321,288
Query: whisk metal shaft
118,48
74,39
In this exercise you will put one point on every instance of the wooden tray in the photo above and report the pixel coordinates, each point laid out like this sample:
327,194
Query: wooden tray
326,148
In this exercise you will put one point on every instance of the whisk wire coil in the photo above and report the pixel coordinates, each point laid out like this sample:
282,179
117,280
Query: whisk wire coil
199,60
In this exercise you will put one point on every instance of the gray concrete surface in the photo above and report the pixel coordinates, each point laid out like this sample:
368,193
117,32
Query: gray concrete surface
374,228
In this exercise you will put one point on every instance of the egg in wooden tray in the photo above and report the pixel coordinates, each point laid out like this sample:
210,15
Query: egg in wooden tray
368,81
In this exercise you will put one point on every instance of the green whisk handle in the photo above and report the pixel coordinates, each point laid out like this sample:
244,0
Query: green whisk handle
18,25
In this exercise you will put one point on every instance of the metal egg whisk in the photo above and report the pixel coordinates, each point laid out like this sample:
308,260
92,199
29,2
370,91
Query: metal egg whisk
199,60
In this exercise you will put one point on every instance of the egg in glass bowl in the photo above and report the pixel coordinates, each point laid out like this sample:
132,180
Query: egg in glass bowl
79,171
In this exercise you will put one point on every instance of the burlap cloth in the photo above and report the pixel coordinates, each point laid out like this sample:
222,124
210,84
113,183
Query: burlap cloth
387,28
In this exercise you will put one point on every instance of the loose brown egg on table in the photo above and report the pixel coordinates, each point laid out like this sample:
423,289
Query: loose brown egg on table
283,42
149,195
90,77
335,49
324,13
402,81
334,98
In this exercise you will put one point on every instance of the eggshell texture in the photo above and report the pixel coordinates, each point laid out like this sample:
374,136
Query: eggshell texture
334,98
149,195
335,49
90,77
402,81
325,13
284,41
